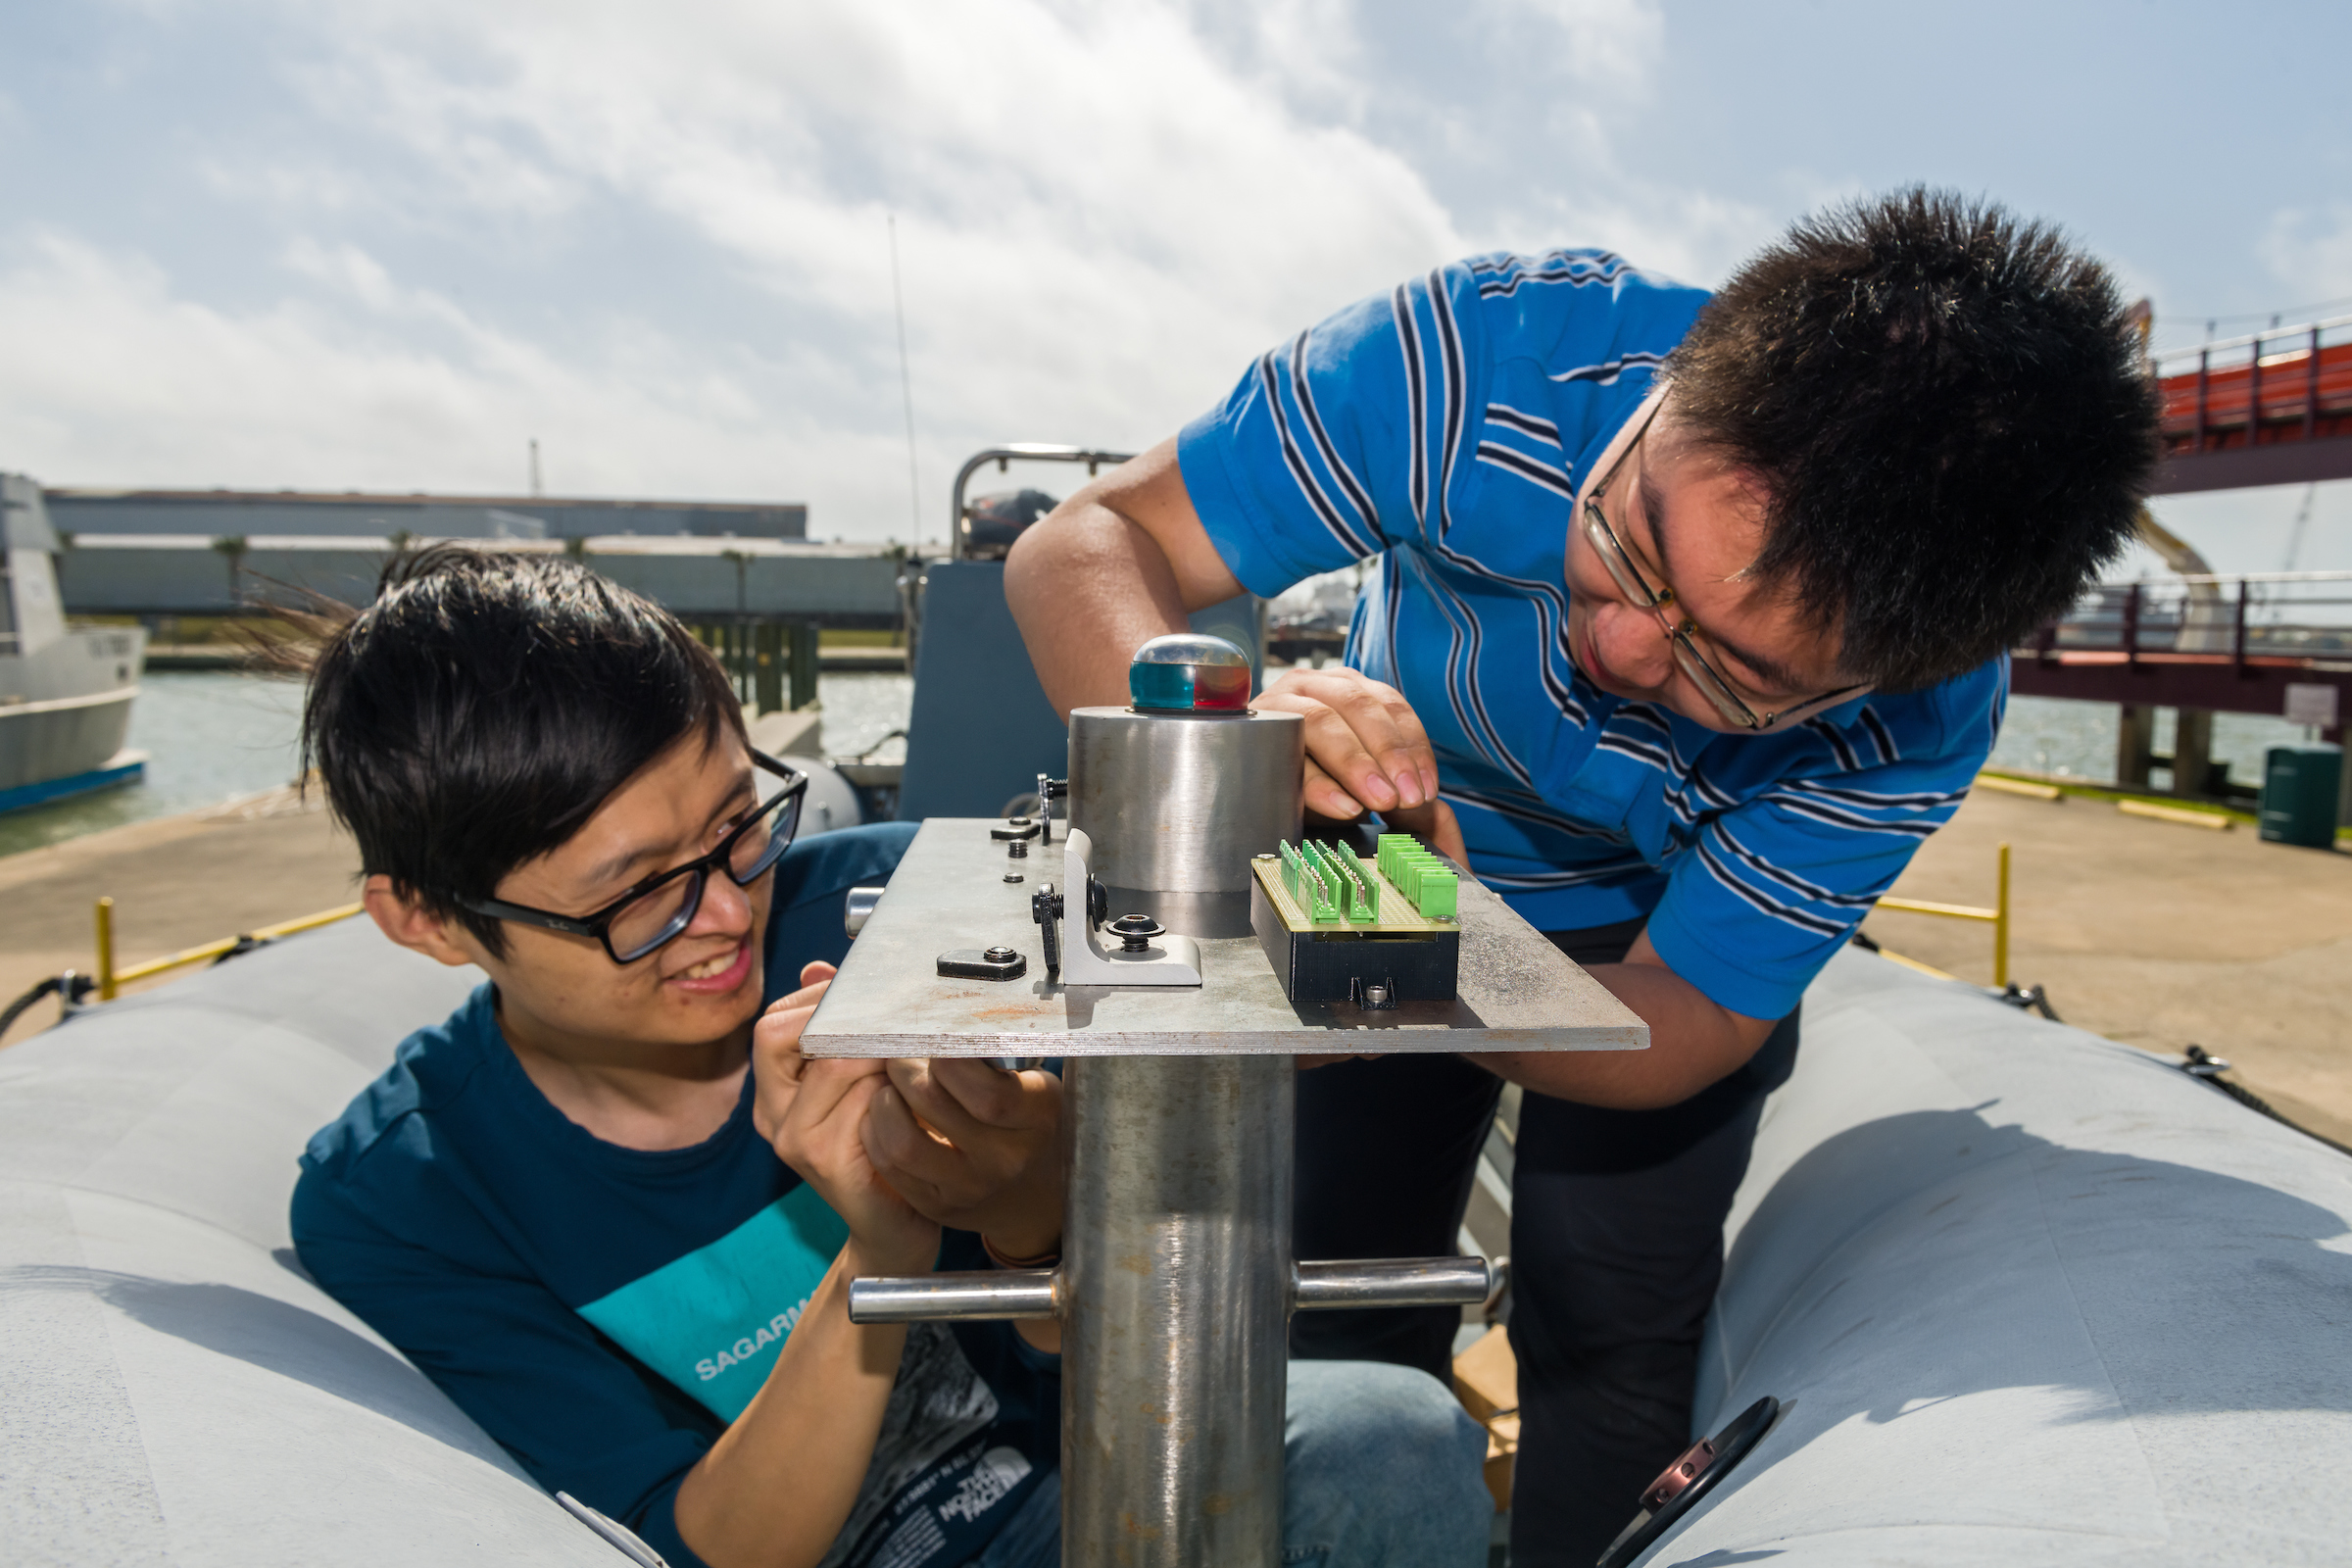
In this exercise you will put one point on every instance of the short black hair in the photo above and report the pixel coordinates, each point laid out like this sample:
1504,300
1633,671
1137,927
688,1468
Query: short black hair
1950,418
485,703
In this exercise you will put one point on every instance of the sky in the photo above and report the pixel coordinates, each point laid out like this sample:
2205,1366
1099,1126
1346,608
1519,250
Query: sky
385,244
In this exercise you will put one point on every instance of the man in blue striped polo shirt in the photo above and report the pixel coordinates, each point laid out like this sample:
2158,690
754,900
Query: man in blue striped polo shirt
1685,629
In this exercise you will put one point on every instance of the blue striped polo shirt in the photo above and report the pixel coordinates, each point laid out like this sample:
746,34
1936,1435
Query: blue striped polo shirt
1442,432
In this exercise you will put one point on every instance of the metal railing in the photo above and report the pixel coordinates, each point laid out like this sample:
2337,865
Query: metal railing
1997,916
2284,381
111,980
2301,615
961,525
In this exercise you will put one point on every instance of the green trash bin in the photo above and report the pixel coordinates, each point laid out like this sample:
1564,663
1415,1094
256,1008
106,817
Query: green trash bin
2299,791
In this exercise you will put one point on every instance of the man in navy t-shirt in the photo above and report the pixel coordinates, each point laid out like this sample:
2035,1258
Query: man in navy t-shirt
1684,627
613,1211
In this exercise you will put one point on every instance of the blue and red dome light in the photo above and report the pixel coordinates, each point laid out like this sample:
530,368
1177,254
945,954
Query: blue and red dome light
1189,673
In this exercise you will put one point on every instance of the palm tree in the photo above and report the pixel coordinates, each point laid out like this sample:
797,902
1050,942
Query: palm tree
232,547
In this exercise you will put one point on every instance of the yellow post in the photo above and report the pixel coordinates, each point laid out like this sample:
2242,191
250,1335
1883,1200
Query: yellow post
105,950
2000,924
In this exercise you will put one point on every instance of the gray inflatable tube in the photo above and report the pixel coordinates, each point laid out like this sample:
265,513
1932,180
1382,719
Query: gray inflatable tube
2027,1297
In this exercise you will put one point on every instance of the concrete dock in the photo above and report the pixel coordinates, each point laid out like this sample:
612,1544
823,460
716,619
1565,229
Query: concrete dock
177,882
2157,934
2150,933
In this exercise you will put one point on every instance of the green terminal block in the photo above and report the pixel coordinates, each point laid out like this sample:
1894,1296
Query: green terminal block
1355,893
1338,928
1309,886
1419,875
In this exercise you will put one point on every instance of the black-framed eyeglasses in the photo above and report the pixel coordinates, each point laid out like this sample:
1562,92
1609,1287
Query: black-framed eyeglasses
1719,692
660,907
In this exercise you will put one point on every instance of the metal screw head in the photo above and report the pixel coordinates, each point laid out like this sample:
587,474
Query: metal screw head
1376,996
1012,876
1000,955
1135,932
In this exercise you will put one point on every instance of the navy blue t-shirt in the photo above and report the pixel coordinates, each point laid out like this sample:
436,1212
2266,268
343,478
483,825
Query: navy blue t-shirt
604,1311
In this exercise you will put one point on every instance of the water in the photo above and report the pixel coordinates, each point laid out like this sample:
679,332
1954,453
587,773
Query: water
2052,735
860,708
212,737
215,735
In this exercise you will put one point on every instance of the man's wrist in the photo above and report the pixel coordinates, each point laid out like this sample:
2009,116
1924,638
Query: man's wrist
1022,1260
1020,1249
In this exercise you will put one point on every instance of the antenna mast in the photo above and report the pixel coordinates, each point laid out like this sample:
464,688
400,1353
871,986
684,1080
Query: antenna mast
898,301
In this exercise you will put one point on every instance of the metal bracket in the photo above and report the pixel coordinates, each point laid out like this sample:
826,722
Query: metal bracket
1171,960
979,964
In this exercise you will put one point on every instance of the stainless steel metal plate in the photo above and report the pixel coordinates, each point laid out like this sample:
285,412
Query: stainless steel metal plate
1517,991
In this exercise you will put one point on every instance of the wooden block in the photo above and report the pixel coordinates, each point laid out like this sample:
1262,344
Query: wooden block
1502,1456
2175,813
1486,1378
2019,786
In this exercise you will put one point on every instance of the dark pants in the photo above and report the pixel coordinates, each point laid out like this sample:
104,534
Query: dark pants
1616,1250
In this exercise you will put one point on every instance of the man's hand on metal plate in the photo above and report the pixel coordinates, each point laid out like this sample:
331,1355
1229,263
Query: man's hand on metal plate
1366,751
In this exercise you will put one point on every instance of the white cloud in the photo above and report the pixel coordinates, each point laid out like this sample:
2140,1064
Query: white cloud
1104,212
2310,251
115,378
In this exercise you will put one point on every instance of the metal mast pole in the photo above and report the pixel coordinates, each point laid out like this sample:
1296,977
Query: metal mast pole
1177,1269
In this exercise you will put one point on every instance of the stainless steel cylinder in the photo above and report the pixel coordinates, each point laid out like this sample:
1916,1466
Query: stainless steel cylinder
858,909
1176,804
1176,1286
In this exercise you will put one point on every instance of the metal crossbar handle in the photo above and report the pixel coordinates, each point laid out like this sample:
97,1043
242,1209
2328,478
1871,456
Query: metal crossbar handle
973,1298
996,1293
1023,451
1385,1282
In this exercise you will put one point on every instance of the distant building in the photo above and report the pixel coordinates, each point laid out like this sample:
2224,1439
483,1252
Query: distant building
246,513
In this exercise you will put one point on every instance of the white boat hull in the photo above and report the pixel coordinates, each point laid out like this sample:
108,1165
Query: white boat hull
66,709
44,741
65,691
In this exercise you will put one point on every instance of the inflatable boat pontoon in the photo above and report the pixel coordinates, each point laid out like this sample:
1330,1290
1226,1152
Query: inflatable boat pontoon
2027,1297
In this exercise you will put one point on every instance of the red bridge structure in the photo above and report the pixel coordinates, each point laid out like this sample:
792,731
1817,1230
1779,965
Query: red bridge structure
2271,407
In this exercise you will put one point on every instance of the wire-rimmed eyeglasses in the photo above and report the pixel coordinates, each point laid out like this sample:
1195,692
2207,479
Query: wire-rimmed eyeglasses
660,907
1719,692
